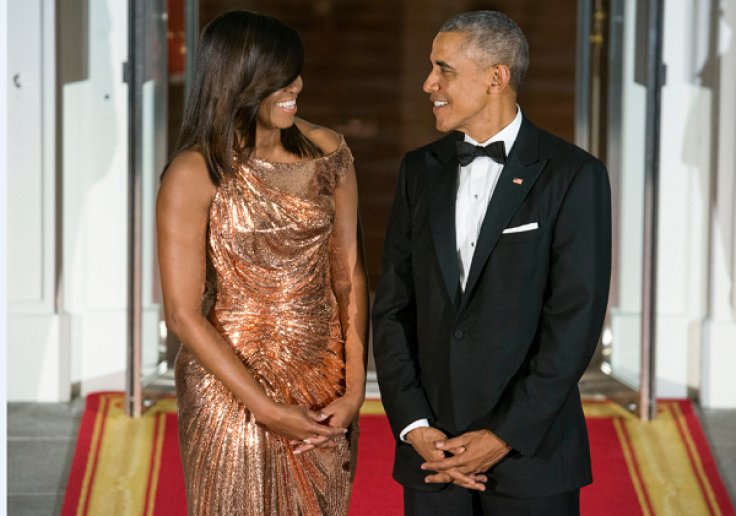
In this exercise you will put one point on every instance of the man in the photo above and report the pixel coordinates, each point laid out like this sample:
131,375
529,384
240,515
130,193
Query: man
494,289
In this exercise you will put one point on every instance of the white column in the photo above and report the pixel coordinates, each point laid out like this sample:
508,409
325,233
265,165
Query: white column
38,336
718,387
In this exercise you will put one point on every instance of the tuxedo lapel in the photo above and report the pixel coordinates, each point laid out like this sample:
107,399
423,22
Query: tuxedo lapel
442,212
517,178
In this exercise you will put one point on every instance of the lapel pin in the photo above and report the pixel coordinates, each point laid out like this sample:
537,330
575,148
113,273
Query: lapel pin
518,181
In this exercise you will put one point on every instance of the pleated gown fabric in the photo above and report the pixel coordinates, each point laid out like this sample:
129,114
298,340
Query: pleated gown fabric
269,274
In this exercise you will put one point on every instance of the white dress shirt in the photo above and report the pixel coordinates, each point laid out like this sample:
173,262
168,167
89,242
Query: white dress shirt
476,184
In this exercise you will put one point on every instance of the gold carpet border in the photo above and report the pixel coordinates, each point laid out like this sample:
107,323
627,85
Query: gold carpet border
130,450
698,463
372,408
153,484
92,456
664,463
636,479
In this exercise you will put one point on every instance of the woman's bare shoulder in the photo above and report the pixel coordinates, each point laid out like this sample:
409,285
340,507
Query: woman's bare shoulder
187,179
327,139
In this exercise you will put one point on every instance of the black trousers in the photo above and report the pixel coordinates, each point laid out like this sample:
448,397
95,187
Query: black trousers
458,501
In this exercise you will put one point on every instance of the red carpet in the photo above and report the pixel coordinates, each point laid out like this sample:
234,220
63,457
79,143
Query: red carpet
374,491
126,467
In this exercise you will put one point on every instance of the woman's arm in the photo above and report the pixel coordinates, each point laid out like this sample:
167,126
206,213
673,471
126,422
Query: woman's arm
182,213
350,284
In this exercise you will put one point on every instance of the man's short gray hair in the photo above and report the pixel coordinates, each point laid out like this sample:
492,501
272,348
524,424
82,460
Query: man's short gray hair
498,38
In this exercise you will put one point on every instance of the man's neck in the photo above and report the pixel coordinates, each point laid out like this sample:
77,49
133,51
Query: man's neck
495,121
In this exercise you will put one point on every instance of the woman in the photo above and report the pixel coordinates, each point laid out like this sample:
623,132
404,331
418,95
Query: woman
258,212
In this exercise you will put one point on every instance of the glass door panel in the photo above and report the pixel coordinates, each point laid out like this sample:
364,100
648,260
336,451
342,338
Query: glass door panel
147,78
625,157
619,122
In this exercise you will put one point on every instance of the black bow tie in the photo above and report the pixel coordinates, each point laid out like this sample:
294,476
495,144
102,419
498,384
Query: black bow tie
467,152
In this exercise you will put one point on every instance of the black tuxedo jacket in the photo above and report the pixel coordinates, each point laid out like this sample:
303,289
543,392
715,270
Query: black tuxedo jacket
507,353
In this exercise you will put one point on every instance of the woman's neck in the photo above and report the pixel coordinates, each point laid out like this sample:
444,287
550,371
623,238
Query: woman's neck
268,145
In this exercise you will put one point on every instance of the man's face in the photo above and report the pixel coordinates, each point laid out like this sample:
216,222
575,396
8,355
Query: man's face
457,87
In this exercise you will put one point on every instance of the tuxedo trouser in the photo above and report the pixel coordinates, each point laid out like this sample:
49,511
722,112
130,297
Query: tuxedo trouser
459,501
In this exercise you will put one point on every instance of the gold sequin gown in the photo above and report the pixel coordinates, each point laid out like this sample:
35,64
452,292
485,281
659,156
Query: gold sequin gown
269,272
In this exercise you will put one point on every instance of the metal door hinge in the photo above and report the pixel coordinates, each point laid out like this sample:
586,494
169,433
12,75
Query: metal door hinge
663,75
126,72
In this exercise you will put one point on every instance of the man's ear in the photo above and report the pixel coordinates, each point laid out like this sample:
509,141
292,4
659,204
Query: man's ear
500,77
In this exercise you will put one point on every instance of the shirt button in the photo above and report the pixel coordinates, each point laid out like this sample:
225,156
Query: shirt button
459,334
472,244
475,196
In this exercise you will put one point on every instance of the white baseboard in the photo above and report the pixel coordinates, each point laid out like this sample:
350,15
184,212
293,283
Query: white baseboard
109,382
718,379
672,350
39,357
674,341
371,386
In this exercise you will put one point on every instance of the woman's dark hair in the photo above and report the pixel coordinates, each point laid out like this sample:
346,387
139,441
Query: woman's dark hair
243,57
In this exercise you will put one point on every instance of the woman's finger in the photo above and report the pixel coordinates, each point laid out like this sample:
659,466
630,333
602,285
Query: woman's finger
319,417
327,431
317,440
303,448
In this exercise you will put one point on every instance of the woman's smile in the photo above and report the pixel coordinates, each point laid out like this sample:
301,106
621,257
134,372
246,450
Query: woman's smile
288,105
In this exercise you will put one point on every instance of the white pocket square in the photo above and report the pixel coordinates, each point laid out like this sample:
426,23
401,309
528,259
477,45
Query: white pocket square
526,227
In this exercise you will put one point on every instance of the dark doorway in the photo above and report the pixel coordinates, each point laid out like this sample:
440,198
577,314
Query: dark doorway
366,61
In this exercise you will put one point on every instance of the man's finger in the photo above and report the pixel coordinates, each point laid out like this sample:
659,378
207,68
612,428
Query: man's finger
476,487
438,478
430,457
456,442
459,476
459,479
436,455
445,478
443,465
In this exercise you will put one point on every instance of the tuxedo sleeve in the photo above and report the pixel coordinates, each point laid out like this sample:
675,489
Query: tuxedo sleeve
572,316
394,320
